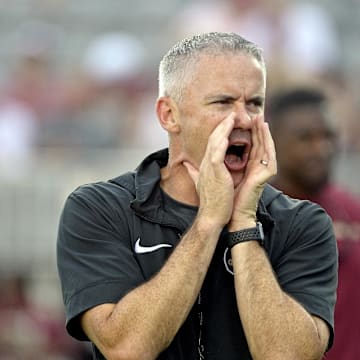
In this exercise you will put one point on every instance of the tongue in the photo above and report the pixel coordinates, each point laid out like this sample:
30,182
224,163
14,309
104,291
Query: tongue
234,162
232,158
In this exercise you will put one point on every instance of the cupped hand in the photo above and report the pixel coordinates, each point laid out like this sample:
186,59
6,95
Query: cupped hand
212,180
261,167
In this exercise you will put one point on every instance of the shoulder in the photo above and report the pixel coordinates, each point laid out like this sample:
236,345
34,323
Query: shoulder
121,186
95,209
99,197
294,212
276,202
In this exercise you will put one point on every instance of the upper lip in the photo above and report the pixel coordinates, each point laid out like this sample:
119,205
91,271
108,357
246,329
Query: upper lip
240,137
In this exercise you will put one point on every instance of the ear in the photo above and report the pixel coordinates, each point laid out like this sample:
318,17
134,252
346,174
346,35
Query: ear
167,114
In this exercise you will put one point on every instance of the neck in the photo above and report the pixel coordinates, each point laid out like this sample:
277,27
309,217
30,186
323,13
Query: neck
176,182
289,188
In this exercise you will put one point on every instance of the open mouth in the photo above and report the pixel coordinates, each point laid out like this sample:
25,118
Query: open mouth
236,157
235,152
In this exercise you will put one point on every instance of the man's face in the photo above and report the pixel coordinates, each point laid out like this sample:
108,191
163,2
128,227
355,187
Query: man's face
306,145
220,85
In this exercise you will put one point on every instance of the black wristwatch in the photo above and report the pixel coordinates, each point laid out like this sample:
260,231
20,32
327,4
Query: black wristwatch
255,233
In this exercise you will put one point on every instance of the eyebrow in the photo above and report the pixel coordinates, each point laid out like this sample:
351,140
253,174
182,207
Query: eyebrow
225,97
217,97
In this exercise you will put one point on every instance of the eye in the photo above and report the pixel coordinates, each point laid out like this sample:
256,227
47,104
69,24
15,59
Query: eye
222,101
255,104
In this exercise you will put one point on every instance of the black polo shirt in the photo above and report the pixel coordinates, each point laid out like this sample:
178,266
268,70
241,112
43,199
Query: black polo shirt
115,235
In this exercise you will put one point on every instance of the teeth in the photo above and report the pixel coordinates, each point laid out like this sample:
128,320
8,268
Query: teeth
239,146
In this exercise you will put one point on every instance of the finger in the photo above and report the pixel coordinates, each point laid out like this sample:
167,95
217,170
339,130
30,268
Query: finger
269,142
257,139
263,139
225,126
219,139
267,148
266,152
263,151
270,148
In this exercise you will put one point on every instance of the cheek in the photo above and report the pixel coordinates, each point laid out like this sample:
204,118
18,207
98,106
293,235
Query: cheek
289,152
196,127
195,140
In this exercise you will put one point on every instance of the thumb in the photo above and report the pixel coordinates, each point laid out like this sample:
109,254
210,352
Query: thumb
192,171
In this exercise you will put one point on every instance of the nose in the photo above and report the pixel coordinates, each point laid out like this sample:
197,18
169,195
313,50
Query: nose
243,119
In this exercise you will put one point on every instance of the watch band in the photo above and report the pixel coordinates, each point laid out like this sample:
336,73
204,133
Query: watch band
250,234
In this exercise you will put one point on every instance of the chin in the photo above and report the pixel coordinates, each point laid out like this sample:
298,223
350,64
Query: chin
316,186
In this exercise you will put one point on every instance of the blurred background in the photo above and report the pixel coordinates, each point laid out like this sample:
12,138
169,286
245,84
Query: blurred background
78,83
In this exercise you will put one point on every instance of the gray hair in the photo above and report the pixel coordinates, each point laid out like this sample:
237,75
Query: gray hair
173,69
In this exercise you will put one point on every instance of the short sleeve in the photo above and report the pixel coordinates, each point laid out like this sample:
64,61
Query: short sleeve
95,261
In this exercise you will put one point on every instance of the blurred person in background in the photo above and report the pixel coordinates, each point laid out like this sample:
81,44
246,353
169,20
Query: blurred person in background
293,34
193,255
28,332
33,80
18,138
112,86
342,94
96,105
306,140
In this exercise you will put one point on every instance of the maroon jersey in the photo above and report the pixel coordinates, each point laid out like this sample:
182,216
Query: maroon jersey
344,209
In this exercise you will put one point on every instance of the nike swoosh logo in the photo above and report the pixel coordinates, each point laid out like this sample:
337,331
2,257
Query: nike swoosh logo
140,249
